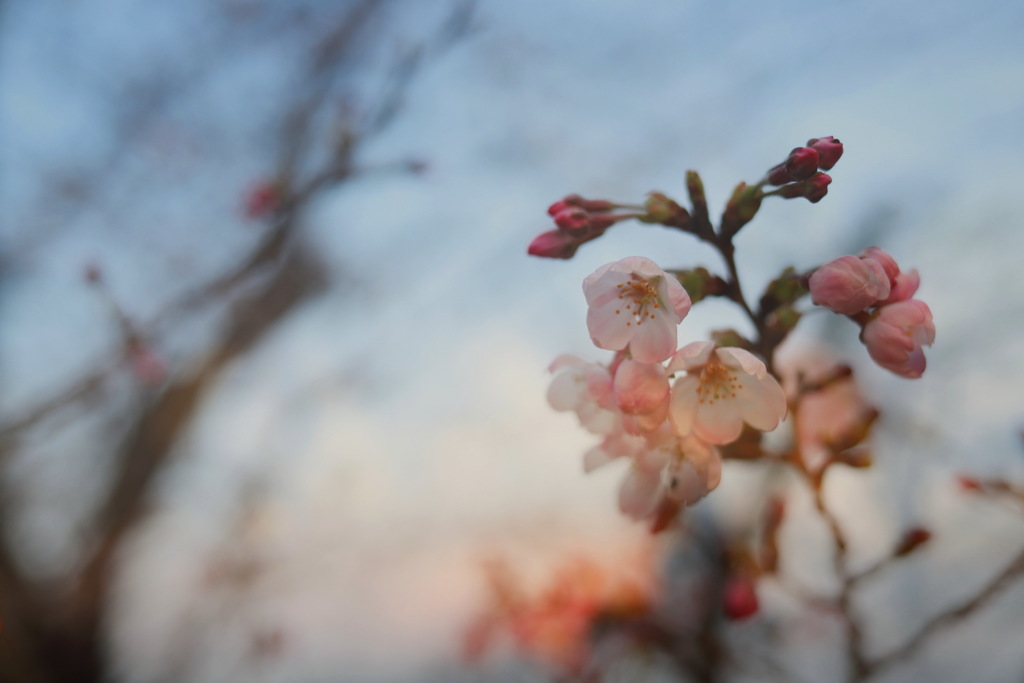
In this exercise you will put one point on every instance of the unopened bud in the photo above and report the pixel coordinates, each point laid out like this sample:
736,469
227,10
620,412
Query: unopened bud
665,211
576,201
829,150
778,175
858,457
553,244
741,208
573,220
912,540
968,484
816,187
699,283
739,598
695,188
802,163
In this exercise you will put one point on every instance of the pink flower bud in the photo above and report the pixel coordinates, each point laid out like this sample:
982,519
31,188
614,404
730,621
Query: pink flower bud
888,263
904,286
739,598
896,334
553,244
802,163
848,285
829,150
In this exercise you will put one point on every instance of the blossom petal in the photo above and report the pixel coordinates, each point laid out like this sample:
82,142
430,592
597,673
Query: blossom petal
761,402
743,360
718,422
654,339
640,492
608,329
567,360
676,296
564,391
683,405
693,355
596,457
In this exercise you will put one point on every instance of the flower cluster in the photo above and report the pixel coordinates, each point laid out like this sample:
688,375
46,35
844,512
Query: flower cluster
872,290
668,410
667,429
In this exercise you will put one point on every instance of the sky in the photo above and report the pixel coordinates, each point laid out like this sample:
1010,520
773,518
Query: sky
401,423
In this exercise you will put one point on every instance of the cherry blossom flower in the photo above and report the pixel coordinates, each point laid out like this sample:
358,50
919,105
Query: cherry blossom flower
641,391
677,473
896,334
848,285
722,389
586,389
635,303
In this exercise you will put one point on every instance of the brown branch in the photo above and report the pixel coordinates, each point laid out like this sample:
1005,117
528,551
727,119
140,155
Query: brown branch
999,583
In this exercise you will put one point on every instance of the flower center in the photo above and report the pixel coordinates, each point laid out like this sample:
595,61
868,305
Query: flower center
717,383
637,296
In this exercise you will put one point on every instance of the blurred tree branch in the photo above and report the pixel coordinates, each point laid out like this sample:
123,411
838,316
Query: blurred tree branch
55,632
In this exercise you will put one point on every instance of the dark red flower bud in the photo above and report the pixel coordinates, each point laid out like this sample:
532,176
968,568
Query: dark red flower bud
553,244
559,206
969,484
778,175
912,540
573,220
739,598
816,188
829,150
802,163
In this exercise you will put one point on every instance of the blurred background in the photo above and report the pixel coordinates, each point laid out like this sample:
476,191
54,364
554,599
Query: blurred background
273,357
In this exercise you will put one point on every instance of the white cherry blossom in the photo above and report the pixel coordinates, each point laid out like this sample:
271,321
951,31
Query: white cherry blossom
722,389
635,303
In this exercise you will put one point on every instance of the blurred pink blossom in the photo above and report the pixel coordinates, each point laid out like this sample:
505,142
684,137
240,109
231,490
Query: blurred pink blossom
586,389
